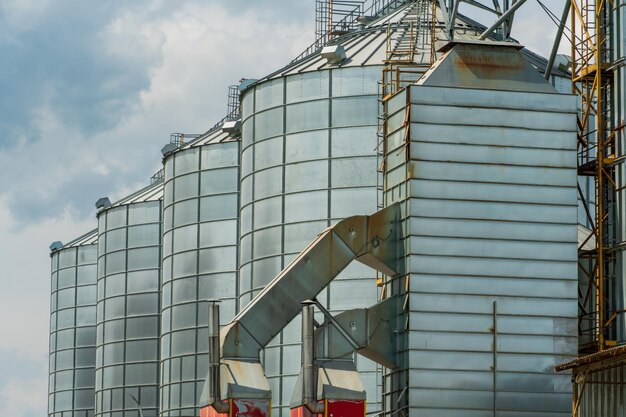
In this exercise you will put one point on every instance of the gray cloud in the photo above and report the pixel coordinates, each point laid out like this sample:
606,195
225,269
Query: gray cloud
66,59
63,62
23,386
92,92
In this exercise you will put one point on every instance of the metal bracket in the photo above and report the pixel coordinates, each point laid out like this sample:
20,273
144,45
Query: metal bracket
371,332
335,323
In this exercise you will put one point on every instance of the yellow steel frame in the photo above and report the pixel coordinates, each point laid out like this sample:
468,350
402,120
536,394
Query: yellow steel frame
591,82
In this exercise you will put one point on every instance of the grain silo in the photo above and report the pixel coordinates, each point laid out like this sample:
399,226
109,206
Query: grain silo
128,314
481,155
73,327
200,223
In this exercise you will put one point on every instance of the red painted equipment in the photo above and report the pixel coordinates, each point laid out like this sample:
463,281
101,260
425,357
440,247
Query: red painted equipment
334,408
240,408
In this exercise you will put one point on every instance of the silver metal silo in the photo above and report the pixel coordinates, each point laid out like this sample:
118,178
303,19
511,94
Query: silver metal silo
308,160
486,174
73,327
127,337
199,261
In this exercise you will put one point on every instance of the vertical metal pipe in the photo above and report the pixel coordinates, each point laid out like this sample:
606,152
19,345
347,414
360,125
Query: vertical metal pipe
307,353
495,358
453,13
601,170
506,23
557,39
215,394
618,47
309,394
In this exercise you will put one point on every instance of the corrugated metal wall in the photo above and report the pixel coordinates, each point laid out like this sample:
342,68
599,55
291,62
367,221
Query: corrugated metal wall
73,331
308,159
199,263
489,184
128,308
603,393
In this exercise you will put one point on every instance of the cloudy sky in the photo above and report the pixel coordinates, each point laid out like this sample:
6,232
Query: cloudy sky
89,93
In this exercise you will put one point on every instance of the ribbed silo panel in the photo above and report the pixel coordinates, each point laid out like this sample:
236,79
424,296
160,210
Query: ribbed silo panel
73,331
489,184
129,268
308,160
199,263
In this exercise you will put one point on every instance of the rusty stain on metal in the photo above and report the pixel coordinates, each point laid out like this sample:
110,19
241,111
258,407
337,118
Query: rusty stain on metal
617,353
491,64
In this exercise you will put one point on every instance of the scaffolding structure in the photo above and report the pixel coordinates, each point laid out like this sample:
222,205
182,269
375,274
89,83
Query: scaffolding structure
598,378
591,81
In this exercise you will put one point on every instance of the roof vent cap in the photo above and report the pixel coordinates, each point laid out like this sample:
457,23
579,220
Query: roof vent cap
232,127
56,245
333,54
245,83
562,63
103,203
168,149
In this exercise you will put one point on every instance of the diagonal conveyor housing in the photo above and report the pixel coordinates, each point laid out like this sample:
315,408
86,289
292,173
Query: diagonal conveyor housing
372,240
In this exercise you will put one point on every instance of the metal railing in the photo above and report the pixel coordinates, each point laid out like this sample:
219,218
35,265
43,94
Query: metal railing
233,110
350,21
158,176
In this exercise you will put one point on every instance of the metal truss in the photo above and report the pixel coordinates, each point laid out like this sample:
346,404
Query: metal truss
503,10
592,81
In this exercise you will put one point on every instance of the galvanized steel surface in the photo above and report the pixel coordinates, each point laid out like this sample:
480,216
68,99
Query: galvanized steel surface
73,328
489,185
153,192
466,65
602,393
200,231
88,238
368,239
308,159
127,344
599,383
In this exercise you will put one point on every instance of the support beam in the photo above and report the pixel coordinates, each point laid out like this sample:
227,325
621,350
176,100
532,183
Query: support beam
453,13
371,332
557,39
481,6
444,10
505,16
338,326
